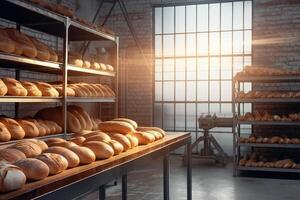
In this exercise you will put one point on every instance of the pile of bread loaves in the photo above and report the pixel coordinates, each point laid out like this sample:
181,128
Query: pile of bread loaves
267,94
255,160
267,71
16,129
269,140
265,116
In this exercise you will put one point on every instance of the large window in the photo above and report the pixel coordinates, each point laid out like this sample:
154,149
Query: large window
198,49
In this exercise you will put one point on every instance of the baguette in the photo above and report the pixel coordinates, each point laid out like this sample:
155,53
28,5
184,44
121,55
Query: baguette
133,140
116,127
129,121
117,146
161,131
121,139
144,137
33,168
86,156
70,156
11,155
55,162
100,149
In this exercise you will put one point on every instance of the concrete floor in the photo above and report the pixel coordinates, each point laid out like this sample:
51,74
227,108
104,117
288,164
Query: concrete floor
209,183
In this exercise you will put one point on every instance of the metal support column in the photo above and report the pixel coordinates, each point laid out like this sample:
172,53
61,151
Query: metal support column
167,177
189,170
124,187
102,193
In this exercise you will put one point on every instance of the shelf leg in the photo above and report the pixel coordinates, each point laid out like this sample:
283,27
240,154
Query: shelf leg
167,177
102,193
189,170
124,187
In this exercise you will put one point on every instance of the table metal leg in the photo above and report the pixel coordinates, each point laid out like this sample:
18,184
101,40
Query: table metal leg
124,187
166,177
189,171
102,195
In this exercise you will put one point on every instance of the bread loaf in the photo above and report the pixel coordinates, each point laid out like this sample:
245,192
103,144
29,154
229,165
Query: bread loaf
31,88
110,68
73,123
11,177
42,124
11,155
86,64
78,140
66,144
140,128
16,131
6,44
42,49
55,162
133,140
23,44
54,128
14,87
122,139
79,117
3,88
86,155
70,156
47,89
129,121
33,168
51,114
29,148
85,115
111,93
42,130
144,137
70,91
103,67
43,145
75,61
53,55
117,146
4,133
96,136
95,65
156,134
116,127
100,149
53,140
29,127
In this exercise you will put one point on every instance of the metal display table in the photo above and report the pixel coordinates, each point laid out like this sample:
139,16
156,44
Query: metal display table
75,182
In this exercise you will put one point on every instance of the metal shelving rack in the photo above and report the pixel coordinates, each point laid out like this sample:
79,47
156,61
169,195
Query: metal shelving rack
237,103
45,21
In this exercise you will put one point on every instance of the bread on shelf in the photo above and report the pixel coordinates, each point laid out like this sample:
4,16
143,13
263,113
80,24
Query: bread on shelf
6,43
56,162
3,88
70,156
12,177
31,88
100,149
33,168
11,155
14,87
16,131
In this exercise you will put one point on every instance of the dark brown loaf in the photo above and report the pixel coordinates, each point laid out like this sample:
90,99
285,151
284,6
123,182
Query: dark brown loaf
11,177
116,127
14,87
6,44
33,168
11,155
16,131
30,149
72,158
32,89
4,133
55,162
3,88
86,155
101,149
29,127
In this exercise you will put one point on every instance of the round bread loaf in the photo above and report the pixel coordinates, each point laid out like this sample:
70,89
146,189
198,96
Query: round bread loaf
161,131
53,140
86,155
3,88
66,144
47,89
16,131
75,61
4,133
29,127
99,136
133,123
33,168
78,140
133,140
117,146
29,148
14,87
116,127
70,156
101,149
56,163
31,88
95,65
122,139
11,177
11,155
6,44
144,137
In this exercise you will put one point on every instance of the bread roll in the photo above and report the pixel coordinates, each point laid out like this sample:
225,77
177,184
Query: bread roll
86,155
103,67
70,156
116,127
70,91
23,44
29,127
47,89
29,148
133,140
101,149
78,140
117,146
144,137
86,64
32,89
14,87
129,121
12,177
6,44
4,133
42,49
75,61
140,128
122,139
110,68
3,88
33,168
11,155
56,162
95,65
16,131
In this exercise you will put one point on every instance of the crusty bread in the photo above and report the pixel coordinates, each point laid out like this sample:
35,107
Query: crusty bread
53,55
156,134
111,93
144,137
3,88
101,149
32,89
29,148
86,155
33,168
11,155
130,121
73,123
47,89
161,131
4,133
45,126
86,64
103,67
79,117
95,65
70,156
78,140
29,127
12,177
54,128
6,44
43,145
133,140
117,146
70,91
66,144
42,49
85,115
56,162
51,114
14,87
96,136
116,127
122,139
53,140
16,131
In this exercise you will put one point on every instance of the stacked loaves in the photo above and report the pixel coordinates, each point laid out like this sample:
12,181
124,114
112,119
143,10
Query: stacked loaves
267,94
265,116
269,140
267,71
15,42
